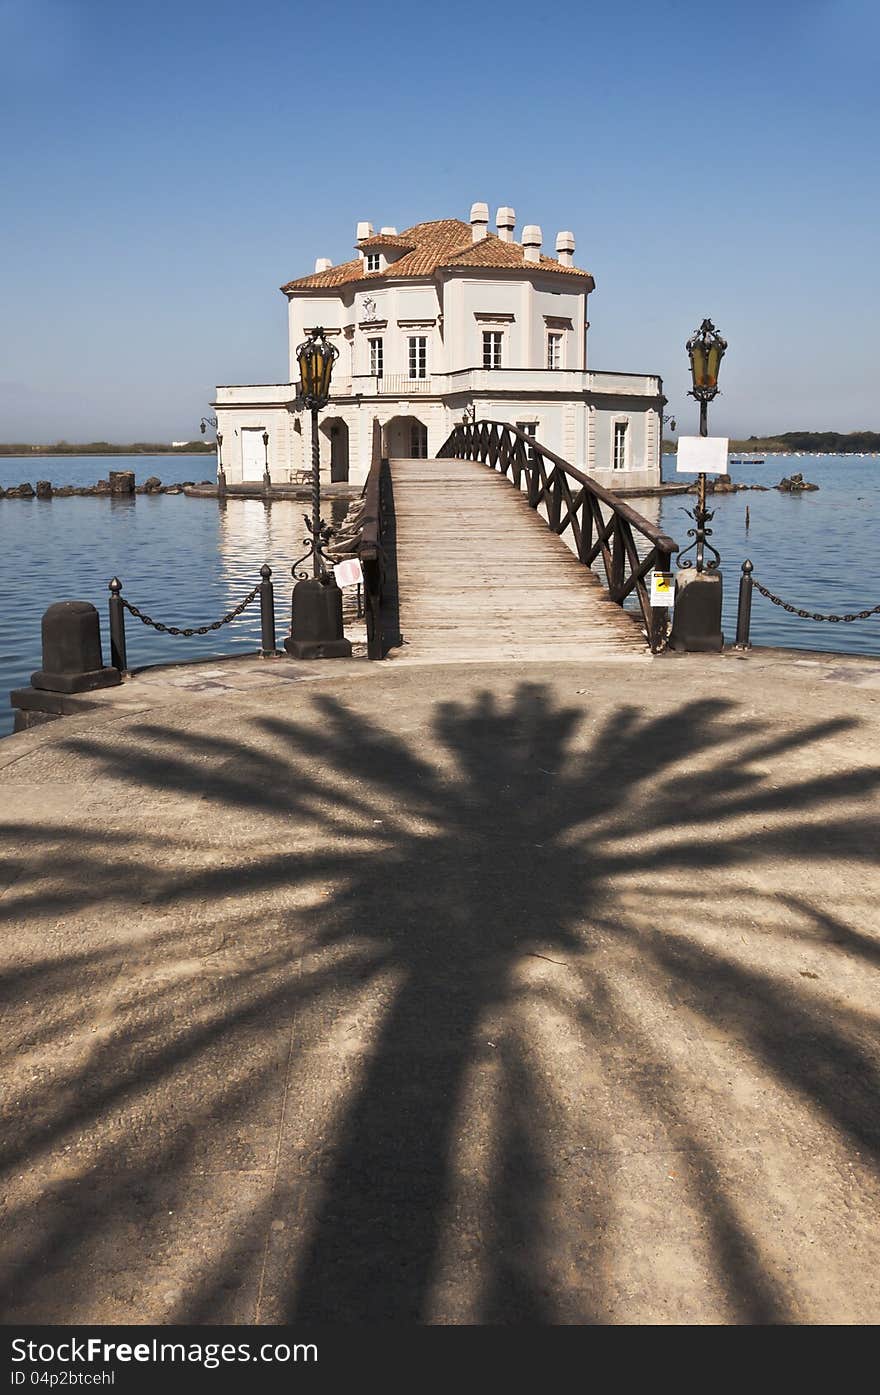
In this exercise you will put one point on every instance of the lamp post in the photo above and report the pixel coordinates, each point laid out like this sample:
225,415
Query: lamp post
267,478
316,622
221,475
316,358
705,350
696,623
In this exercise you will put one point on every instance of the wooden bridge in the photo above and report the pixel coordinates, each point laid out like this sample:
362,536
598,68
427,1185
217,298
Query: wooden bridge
464,562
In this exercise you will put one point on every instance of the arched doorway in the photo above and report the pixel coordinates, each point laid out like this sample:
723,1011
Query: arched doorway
405,438
335,432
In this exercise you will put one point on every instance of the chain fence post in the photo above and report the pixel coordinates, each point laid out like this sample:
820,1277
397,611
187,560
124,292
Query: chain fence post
118,655
267,612
744,608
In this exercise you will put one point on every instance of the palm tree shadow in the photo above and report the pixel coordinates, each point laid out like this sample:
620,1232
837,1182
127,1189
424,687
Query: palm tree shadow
501,841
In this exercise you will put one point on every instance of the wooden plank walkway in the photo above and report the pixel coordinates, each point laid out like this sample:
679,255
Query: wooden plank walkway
480,576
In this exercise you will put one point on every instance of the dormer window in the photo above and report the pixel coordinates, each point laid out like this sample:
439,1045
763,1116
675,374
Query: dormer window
373,261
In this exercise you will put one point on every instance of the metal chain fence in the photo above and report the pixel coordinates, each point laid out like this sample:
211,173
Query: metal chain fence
814,614
195,630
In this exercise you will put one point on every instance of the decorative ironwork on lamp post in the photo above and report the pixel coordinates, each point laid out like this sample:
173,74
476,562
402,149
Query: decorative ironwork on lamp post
316,358
316,628
705,350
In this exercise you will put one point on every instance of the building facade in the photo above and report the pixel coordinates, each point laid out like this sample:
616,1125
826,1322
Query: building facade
439,320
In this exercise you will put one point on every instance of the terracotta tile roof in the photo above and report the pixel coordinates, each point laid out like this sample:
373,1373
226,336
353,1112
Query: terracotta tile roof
491,251
385,240
446,242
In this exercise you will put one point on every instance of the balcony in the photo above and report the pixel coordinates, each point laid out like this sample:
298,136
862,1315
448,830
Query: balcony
392,385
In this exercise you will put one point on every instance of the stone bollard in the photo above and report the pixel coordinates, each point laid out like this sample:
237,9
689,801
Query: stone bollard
316,621
122,481
72,659
696,619
44,489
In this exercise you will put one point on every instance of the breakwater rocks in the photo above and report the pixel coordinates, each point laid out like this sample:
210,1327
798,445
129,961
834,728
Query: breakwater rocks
120,484
794,484
723,484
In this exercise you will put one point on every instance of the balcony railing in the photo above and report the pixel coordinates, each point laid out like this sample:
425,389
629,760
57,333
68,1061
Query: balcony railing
401,385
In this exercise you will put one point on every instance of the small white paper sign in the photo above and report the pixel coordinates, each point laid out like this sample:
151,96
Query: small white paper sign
705,455
348,573
662,588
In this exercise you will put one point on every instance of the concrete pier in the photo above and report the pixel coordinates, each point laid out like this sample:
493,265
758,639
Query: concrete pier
446,993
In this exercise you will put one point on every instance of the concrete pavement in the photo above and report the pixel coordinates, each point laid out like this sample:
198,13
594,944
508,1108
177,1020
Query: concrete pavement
476,993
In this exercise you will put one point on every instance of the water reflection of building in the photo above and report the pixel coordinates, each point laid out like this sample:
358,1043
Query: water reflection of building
444,318
251,532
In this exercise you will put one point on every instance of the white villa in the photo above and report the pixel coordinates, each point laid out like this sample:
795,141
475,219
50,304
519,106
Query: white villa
442,319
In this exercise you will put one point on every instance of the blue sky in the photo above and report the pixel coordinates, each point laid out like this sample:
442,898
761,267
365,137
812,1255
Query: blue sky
160,180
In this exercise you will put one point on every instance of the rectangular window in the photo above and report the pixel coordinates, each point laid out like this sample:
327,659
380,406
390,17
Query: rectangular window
373,262
491,348
554,350
377,357
418,357
619,458
528,428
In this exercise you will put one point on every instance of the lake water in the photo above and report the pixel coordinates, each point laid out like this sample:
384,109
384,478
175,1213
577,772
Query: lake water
187,561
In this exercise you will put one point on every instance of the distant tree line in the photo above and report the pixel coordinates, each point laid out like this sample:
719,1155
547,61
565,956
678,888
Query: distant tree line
825,442
107,448
822,442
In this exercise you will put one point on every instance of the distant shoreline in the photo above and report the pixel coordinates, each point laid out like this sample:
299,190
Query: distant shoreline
38,452
801,443
102,448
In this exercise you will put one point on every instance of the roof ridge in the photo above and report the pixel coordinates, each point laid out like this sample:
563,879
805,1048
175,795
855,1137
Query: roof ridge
435,243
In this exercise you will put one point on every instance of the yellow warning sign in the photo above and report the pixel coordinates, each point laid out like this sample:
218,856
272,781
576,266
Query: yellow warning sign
662,588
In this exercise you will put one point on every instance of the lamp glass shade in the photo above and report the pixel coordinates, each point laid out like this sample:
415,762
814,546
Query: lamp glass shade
701,368
705,351
316,358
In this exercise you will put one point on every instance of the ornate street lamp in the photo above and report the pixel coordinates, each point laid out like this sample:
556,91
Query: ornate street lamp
696,623
705,350
221,475
267,478
316,358
316,628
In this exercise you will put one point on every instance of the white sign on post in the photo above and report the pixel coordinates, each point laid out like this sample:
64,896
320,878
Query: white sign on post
348,573
662,588
702,455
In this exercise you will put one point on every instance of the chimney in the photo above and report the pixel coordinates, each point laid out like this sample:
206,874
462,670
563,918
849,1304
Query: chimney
505,222
388,232
364,230
323,264
565,248
531,241
479,221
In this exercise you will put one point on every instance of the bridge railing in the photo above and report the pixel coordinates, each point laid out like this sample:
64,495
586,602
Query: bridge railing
370,550
603,528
